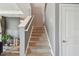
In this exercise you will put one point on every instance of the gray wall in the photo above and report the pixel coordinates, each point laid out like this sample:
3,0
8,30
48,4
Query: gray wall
57,29
12,26
52,25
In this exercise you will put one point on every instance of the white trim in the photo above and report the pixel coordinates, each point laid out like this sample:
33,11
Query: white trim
49,41
29,40
69,5
10,12
60,29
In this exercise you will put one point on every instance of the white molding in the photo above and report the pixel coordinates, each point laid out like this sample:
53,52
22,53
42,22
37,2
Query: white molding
69,5
10,12
49,41
60,29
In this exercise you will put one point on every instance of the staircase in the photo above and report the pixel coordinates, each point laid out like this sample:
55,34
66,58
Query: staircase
38,44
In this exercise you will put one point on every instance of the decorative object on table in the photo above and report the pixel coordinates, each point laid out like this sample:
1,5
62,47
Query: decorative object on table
6,39
16,42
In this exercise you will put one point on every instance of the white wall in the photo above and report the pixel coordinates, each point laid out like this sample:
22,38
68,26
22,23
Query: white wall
25,8
50,23
15,9
9,6
12,25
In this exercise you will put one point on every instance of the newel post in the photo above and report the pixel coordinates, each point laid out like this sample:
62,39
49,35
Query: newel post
22,40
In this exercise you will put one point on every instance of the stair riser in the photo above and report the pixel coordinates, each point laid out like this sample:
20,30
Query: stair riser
40,50
39,42
38,32
36,35
38,45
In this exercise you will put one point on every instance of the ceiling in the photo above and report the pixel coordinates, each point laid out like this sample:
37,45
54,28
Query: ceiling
15,9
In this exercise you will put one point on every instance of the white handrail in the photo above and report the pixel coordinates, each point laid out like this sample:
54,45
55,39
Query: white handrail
25,22
29,24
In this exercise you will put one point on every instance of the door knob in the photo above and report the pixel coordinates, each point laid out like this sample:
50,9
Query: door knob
64,41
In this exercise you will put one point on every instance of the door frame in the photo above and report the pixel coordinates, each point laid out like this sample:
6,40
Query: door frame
60,23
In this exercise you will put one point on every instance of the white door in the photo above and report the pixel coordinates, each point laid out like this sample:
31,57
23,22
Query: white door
69,20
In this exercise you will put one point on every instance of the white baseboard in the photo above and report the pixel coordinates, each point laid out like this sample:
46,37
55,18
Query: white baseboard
49,41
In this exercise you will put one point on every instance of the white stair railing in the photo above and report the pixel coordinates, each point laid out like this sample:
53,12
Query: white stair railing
24,33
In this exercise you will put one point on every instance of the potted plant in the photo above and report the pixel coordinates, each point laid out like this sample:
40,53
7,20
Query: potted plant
10,39
5,38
